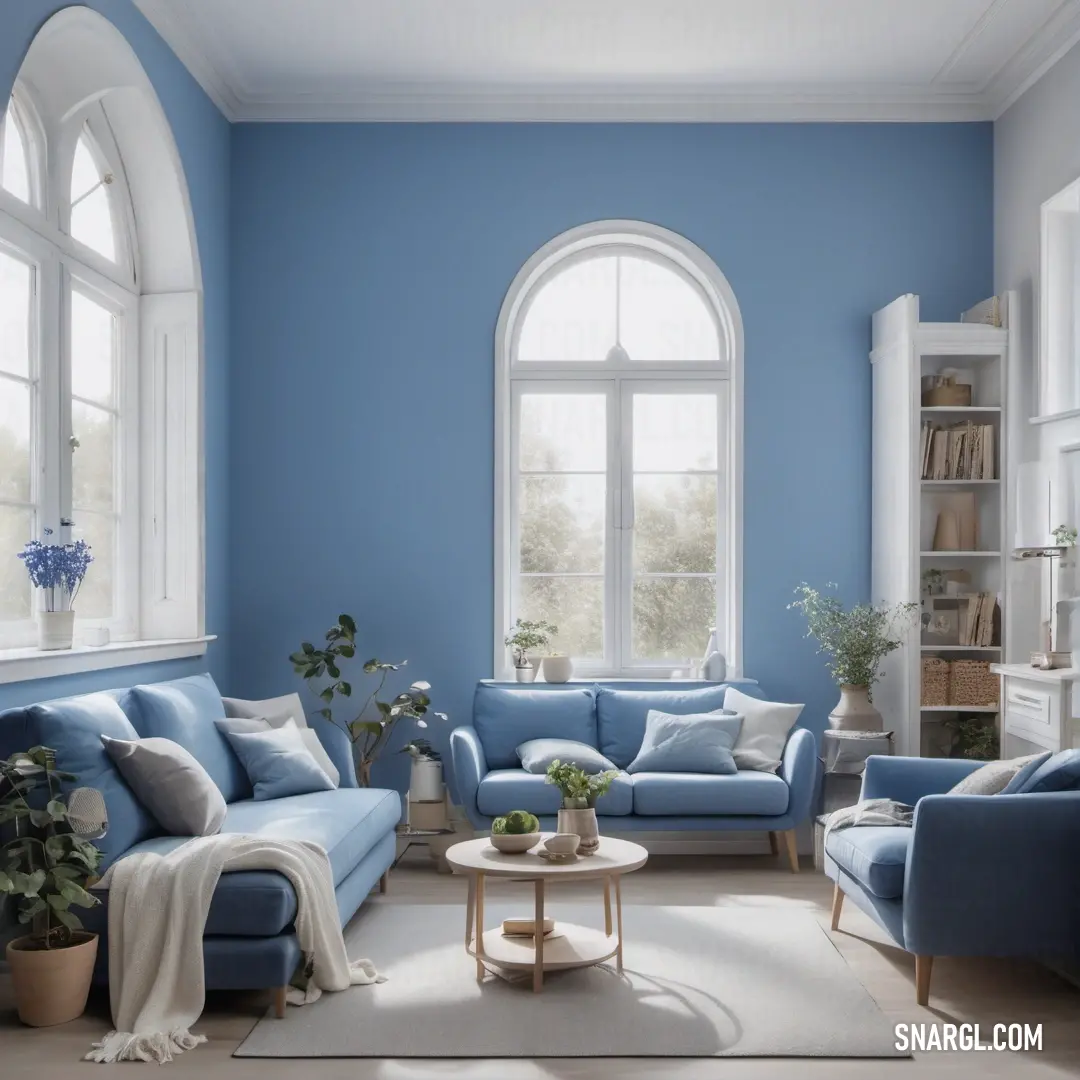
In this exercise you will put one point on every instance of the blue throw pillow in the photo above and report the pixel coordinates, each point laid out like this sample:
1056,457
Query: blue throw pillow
1060,773
698,743
505,718
621,714
1016,785
278,763
537,754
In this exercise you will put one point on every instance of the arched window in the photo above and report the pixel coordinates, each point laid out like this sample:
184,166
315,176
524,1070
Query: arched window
97,327
618,359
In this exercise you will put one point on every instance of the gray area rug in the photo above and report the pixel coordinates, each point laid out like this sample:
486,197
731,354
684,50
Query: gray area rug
698,982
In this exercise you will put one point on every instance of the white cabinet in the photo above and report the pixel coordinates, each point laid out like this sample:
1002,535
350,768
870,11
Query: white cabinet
1037,709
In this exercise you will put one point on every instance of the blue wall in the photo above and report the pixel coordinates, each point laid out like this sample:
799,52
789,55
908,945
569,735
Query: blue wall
368,266
203,137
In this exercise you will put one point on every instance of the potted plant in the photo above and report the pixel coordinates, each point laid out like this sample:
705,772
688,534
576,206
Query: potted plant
368,732
856,641
46,867
525,638
515,833
57,570
579,790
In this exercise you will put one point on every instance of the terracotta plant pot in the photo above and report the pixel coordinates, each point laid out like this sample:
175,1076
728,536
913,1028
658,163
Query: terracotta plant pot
51,985
583,823
854,711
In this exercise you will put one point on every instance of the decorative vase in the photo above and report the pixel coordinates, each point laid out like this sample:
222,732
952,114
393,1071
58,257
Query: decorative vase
425,781
55,629
583,823
525,674
854,711
558,669
51,985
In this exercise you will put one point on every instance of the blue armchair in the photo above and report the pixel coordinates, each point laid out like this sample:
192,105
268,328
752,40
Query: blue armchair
976,875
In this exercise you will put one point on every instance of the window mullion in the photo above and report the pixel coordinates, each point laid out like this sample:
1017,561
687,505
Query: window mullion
50,405
64,427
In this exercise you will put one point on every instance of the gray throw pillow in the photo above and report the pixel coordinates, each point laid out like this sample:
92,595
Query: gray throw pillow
537,754
698,743
275,711
170,783
309,735
277,762
992,778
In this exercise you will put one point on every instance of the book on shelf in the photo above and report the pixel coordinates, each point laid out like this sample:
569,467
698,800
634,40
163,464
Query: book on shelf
977,619
963,451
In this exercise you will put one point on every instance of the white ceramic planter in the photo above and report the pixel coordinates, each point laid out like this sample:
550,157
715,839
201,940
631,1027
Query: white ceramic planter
854,711
55,629
426,783
525,674
583,823
558,669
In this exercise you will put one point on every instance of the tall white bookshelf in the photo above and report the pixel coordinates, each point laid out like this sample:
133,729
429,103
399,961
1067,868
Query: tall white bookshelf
905,506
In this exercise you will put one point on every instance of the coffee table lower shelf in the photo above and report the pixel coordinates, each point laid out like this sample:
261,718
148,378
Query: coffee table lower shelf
567,946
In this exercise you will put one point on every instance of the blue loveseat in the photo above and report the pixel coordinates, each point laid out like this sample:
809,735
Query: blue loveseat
976,875
490,780
249,941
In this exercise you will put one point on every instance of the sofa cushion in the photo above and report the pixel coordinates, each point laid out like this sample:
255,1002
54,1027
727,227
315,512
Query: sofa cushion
504,719
621,714
698,743
503,790
347,822
874,855
277,761
73,728
665,794
184,710
537,754
1059,773
765,730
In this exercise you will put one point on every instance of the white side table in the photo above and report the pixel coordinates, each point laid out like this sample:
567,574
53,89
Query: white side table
1037,709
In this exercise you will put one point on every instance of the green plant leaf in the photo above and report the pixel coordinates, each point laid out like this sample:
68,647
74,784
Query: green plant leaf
345,689
56,809
6,884
333,670
307,647
327,695
325,713
348,623
72,922
384,707
372,727
348,651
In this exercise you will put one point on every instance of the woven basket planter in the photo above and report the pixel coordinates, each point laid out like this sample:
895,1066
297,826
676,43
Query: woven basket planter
972,683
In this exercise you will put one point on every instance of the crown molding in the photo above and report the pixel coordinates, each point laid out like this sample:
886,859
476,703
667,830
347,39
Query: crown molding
589,103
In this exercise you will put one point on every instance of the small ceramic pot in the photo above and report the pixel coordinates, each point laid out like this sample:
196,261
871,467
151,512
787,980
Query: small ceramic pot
563,843
854,711
425,781
525,674
583,823
558,669
55,629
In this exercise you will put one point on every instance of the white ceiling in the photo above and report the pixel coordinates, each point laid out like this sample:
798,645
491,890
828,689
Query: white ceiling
616,59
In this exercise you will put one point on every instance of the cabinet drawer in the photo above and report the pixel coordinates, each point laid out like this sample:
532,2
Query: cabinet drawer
1028,704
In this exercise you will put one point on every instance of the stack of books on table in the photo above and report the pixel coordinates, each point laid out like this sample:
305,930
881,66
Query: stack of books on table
959,452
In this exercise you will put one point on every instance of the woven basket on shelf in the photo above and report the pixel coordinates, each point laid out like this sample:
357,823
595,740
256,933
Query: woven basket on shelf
935,681
972,683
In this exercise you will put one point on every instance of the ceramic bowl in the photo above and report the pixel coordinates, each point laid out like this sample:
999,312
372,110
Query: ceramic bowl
563,843
514,843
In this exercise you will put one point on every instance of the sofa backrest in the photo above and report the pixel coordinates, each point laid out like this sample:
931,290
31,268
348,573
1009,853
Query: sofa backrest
504,718
621,713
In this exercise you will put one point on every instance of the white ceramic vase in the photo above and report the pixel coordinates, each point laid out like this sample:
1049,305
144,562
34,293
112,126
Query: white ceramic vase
525,674
855,712
425,782
583,823
558,669
55,629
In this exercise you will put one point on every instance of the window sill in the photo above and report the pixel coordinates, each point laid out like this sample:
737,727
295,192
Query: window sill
19,665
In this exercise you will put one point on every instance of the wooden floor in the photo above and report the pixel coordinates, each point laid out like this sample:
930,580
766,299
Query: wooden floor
976,991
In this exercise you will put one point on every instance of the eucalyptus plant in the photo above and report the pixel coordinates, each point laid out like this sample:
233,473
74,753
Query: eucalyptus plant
45,866
856,640
369,731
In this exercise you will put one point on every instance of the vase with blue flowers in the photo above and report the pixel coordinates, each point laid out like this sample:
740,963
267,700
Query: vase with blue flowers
56,571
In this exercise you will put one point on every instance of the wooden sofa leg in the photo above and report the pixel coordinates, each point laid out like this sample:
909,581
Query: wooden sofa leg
278,994
923,967
384,882
837,904
792,851
773,846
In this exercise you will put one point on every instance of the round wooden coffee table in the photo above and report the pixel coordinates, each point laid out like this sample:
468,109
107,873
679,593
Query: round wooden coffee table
569,945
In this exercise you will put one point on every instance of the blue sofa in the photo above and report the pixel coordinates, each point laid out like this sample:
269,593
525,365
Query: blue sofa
249,941
490,780
976,875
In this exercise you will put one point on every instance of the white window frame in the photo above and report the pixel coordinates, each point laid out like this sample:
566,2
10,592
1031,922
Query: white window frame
160,584
513,378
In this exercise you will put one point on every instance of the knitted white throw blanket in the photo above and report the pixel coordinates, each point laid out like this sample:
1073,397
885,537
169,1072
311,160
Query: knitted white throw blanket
157,911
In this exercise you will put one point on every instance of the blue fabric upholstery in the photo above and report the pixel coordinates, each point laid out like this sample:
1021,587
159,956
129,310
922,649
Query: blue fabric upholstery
1059,773
621,714
875,856
184,710
503,790
1019,782
984,874
505,718
698,743
744,792
469,768
73,728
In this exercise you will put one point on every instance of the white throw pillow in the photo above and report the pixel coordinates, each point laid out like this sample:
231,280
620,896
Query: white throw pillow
276,713
764,733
